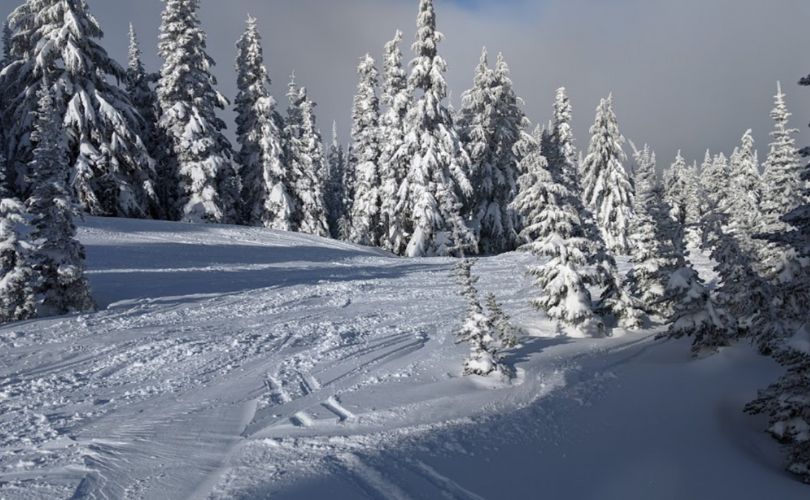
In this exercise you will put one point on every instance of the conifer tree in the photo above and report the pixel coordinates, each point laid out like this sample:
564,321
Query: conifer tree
139,86
200,154
533,193
433,193
563,243
654,256
558,146
677,190
366,227
782,177
787,404
478,329
335,190
608,191
715,180
17,279
491,124
59,259
265,195
305,163
56,41
394,162
744,190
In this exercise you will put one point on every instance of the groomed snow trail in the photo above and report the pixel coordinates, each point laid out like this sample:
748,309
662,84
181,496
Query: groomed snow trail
230,362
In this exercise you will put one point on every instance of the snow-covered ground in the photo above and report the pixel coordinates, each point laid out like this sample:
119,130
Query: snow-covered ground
231,362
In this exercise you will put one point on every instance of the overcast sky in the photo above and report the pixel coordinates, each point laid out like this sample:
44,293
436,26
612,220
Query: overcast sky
685,74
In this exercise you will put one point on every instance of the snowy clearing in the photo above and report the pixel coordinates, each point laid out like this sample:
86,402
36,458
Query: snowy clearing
229,362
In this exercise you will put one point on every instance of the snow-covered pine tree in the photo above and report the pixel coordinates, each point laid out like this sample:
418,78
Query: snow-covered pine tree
558,146
265,199
394,162
17,279
139,86
491,123
336,211
305,163
748,298
506,334
677,188
562,242
59,257
433,192
365,156
782,177
715,180
787,404
654,256
744,190
478,329
111,170
200,154
607,188
533,193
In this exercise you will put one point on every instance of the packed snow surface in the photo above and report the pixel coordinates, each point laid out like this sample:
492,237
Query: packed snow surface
229,362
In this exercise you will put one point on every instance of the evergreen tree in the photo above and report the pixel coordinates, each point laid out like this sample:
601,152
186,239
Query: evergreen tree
365,156
558,145
506,334
336,211
144,99
491,124
265,196
17,280
677,190
432,194
715,180
782,177
608,191
744,190
394,162
787,404
563,243
654,256
533,194
478,329
200,154
305,163
59,260
56,41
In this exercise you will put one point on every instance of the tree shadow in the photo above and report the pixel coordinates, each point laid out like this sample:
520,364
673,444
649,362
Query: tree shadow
529,347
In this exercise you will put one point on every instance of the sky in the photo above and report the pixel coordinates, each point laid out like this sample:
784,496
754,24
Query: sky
685,74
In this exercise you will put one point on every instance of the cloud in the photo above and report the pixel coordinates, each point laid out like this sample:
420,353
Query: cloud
686,74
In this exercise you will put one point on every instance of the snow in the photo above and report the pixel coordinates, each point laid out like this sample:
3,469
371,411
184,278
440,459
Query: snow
233,362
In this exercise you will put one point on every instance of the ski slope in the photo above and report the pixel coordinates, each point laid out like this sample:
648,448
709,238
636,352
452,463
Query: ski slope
229,362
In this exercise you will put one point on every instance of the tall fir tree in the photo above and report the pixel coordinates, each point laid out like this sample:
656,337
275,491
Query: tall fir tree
305,163
433,193
111,170
744,190
265,195
533,194
199,153
608,190
140,88
366,226
654,256
782,177
337,216
394,161
17,278
558,143
59,259
491,124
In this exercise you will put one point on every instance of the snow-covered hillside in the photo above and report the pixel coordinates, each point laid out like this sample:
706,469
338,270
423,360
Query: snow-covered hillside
229,362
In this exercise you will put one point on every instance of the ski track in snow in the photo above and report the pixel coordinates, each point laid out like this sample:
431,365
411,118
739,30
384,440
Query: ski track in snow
232,362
